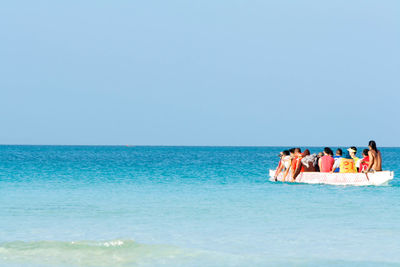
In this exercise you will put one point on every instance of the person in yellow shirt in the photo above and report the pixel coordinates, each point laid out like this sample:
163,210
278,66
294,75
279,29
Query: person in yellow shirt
346,164
353,154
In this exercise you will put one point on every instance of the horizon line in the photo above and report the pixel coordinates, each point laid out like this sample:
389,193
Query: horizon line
119,145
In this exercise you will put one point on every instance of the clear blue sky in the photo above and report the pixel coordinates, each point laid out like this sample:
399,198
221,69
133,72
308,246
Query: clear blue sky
200,72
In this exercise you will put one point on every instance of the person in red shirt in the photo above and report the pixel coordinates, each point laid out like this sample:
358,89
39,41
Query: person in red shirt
296,162
327,161
364,162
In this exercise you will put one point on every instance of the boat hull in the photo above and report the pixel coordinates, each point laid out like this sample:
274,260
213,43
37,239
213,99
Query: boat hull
376,178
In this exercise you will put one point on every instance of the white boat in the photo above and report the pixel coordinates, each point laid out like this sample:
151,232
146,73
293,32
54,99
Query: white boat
375,178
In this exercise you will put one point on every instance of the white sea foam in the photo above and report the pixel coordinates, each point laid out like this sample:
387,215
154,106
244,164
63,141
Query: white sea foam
89,253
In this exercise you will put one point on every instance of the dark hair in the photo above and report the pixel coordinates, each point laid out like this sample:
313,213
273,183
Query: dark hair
285,152
297,149
365,152
372,144
339,151
291,150
354,148
327,150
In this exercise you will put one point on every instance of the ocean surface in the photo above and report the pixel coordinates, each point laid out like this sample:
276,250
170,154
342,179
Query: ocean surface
186,206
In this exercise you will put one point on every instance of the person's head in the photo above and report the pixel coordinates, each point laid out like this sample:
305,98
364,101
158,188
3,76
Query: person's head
353,151
365,152
285,152
320,154
346,155
291,152
372,145
297,151
306,153
327,151
339,152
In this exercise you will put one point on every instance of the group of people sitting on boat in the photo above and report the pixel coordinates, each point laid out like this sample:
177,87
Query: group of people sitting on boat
293,161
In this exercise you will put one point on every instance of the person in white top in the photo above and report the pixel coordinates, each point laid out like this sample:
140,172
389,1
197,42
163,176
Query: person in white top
284,163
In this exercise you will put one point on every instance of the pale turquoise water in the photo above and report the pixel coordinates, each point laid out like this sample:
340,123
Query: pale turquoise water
186,206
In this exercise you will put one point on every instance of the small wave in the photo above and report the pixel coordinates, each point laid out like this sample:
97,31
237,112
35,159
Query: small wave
92,253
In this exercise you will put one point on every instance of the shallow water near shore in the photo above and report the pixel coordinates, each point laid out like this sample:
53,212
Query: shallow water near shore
186,206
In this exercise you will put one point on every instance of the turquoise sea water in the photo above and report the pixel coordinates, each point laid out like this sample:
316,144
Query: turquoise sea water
186,206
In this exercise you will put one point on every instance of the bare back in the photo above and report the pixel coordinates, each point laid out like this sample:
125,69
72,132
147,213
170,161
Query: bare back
375,159
378,162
